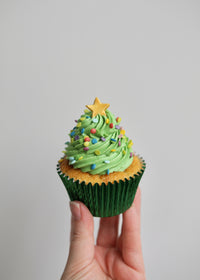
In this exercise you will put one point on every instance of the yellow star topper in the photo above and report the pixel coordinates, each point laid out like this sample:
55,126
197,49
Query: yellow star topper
98,107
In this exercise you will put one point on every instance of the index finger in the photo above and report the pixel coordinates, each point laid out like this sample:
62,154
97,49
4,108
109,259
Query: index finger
131,240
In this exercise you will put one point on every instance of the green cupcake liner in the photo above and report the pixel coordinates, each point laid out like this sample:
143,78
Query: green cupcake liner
104,200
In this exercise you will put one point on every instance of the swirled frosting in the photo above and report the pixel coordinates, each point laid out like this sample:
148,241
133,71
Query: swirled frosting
99,145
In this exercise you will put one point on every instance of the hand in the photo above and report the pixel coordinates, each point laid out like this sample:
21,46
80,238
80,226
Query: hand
112,257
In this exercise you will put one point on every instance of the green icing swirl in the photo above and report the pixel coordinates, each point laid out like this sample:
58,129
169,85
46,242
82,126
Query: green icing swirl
111,151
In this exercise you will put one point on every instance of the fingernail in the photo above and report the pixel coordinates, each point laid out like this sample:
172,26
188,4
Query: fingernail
75,210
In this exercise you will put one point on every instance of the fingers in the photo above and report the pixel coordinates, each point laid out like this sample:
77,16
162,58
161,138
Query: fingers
82,240
131,241
108,231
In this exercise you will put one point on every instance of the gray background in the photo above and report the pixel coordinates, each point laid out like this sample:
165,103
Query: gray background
143,58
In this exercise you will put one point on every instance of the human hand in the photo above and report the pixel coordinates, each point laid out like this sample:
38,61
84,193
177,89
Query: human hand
113,256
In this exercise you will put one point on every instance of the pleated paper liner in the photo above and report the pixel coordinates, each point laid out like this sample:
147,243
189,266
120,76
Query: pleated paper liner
104,200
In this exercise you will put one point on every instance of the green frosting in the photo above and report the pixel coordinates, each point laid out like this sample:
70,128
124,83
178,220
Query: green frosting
106,148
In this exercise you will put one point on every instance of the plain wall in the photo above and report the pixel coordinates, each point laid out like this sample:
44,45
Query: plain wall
142,57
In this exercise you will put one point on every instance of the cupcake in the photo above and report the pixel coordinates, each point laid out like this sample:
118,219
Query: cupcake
99,166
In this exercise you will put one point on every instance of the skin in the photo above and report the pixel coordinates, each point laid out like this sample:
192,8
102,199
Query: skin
113,257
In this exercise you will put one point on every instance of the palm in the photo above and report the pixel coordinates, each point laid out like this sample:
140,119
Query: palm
113,256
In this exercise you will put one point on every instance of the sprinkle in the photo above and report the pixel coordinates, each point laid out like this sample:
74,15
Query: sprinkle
87,139
60,160
124,152
72,133
118,119
130,143
107,121
117,126
103,139
94,141
95,120
97,152
122,131
67,143
107,171
71,158
113,150
85,148
82,130
93,130
106,161
76,121
119,143
131,154
72,162
72,140
86,111
76,137
79,124
120,136
82,118
86,144
64,152
113,140
93,166
80,158
111,125
87,117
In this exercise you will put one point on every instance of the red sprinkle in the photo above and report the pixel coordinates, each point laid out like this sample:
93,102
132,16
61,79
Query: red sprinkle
85,148
87,139
111,125
93,130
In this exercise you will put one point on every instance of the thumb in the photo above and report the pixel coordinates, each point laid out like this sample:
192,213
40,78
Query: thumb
81,250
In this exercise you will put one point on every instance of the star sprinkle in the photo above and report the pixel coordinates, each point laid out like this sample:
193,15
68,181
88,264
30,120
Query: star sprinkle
98,107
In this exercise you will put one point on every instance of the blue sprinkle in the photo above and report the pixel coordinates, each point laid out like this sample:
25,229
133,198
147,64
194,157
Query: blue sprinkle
112,139
71,158
94,141
72,133
107,171
106,161
93,166
67,143
87,117
72,162
95,120
82,130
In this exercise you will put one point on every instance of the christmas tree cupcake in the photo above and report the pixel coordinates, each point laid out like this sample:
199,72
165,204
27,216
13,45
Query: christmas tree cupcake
99,167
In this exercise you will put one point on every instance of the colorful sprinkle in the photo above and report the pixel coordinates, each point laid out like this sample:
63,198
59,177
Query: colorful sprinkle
67,143
86,148
107,171
113,140
124,152
71,158
117,126
87,139
118,119
72,140
76,137
131,154
80,158
76,121
103,139
94,141
97,152
72,133
82,130
122,131
120,136
79,124
130,143
95,120
119,143
60,160
64,152
82,118
86,144
106,161
113,150
111,125
93,130
86,111
93,166
72,162
107,121
87,117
